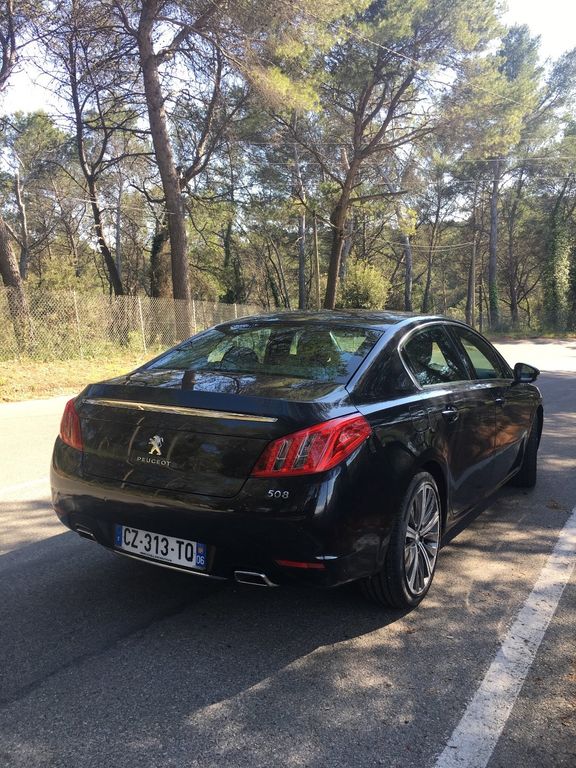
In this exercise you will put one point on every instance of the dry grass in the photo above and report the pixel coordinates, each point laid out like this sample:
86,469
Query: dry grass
28,379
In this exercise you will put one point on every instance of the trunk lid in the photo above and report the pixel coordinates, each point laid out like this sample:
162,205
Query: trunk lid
198,434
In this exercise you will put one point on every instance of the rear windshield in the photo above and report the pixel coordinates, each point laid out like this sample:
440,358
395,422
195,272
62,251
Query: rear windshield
316,352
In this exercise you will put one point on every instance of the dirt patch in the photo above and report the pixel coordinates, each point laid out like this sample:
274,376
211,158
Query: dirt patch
29,379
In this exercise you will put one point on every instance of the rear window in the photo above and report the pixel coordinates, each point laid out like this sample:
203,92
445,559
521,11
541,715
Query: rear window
315,352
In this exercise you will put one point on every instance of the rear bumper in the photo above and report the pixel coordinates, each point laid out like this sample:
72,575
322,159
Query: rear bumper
328,533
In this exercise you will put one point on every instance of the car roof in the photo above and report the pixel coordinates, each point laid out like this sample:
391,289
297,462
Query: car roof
363,318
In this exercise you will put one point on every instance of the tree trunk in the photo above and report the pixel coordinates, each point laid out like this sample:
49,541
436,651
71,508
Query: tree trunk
73,247
227,244
346,248
279,269
427,297
512,286
338,219
17,302
299,194
105,251
408,273
514,315
160,282
236,292
481,303
118,244
165,160
273,286
494,313
302,294
571,321
557,276
471,294
512,266
316,263
24,241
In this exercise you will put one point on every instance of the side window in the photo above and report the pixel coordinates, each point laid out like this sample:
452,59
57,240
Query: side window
432,358
484,362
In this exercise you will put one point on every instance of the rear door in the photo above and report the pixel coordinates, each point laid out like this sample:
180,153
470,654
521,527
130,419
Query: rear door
461,412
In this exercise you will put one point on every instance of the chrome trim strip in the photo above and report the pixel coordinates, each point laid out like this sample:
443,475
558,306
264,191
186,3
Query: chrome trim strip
240,578
177,409
86,533
167,565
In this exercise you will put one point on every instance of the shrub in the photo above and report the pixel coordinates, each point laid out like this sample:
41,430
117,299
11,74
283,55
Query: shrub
365,286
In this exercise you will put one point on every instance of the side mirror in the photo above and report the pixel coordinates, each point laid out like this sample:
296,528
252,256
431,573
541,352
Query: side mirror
525,374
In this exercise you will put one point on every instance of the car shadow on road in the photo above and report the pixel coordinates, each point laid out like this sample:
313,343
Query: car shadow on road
110,657
112,662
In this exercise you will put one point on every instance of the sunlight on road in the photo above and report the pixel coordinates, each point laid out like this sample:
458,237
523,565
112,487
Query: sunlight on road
26,516
545,354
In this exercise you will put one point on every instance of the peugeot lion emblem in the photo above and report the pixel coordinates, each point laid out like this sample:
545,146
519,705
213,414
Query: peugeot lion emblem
155,444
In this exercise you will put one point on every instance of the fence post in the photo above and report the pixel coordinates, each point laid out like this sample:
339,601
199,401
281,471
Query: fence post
142,325
194,315
235,311
77,323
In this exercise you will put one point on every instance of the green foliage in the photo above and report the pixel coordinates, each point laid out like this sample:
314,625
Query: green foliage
571,320
33,142
282,92
268,111
557,277
365,286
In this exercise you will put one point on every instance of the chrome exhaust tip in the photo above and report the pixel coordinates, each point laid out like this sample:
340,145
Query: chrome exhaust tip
86,533
253,578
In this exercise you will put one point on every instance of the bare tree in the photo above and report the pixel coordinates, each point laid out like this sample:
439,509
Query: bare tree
142,25
88,59
8,263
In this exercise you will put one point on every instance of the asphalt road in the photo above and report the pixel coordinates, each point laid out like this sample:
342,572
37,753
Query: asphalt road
108,662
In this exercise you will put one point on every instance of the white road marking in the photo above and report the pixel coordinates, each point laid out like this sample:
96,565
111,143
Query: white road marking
477,733
10,489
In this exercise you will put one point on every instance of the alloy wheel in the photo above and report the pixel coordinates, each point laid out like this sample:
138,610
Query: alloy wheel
422,538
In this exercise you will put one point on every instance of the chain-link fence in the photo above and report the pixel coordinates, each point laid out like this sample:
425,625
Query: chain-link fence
66,324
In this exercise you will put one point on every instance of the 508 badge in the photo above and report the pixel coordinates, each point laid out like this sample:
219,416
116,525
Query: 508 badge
272,494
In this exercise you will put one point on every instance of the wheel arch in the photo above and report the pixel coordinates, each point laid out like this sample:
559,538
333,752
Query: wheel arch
540,417
436,470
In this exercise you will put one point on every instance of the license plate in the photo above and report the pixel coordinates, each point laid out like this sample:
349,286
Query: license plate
156,546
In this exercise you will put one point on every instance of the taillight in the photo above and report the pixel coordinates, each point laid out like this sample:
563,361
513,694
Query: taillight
70,432
315,449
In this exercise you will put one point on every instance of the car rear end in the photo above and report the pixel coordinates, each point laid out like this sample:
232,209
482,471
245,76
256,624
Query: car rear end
221,473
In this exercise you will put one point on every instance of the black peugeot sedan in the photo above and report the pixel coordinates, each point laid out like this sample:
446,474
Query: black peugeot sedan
321,448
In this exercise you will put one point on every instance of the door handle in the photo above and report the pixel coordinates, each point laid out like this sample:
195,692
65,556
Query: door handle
501,401
451,414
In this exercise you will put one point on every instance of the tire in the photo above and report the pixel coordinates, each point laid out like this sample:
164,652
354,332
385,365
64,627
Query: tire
410,561
526,476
